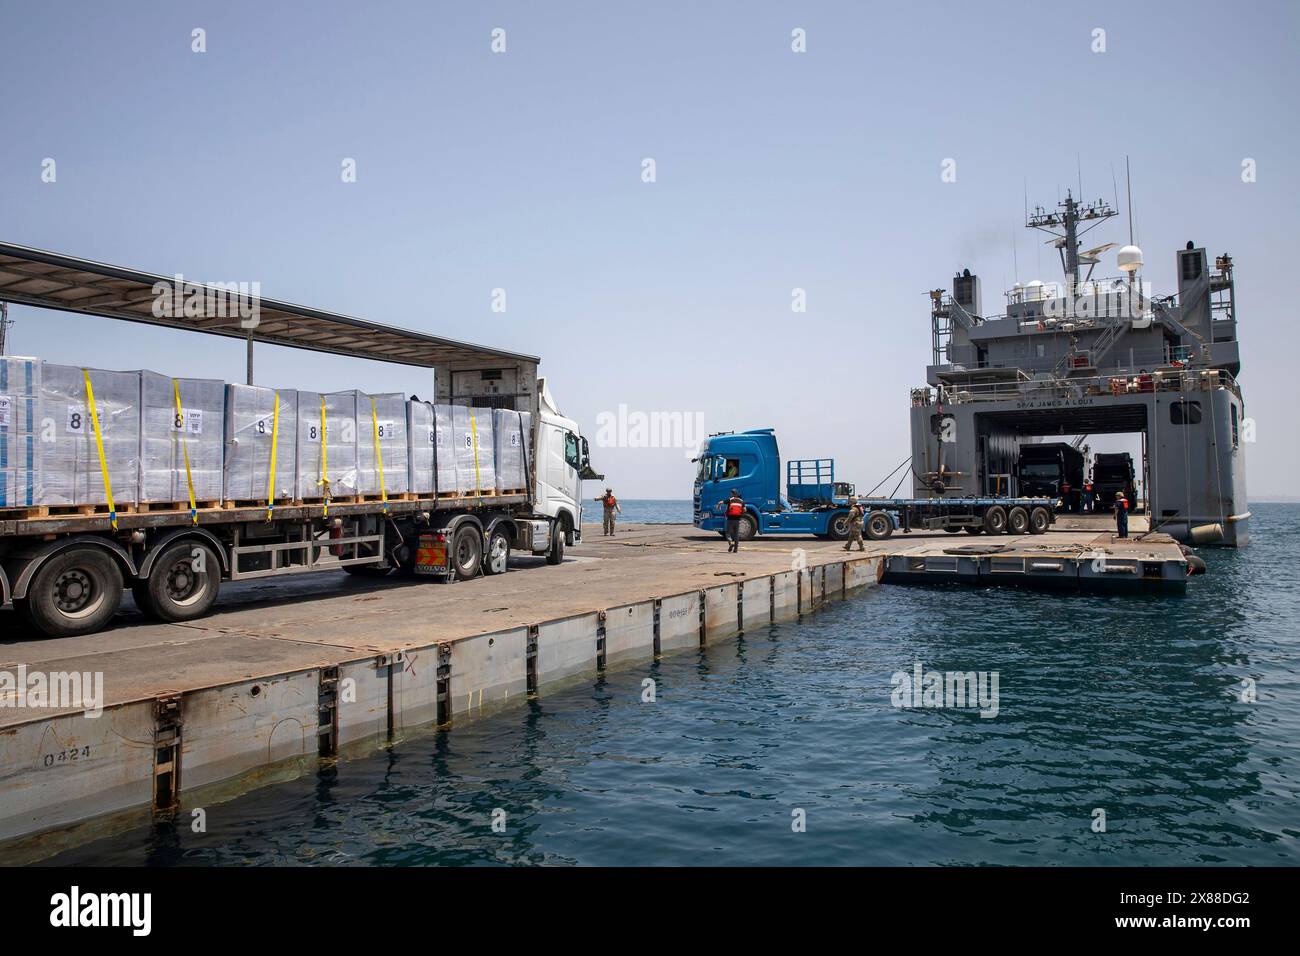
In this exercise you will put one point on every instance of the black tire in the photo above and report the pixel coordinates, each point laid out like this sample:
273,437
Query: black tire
1040,519
973,529
176,590
467,552
497,556
995,520
75,592
748,528
838,528
878,526
1018,520
555,553
951,530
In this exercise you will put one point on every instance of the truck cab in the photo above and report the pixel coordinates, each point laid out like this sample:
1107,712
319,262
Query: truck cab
1111,474
750,463
1043,469
563,463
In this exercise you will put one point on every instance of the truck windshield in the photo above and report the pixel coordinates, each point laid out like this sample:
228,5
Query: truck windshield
1040,470
704,471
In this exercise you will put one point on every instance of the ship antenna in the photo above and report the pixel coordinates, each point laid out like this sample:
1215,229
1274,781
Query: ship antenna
1015,258
1128,186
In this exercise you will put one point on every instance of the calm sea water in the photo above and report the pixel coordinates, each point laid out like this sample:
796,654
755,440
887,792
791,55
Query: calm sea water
1128,705
646,510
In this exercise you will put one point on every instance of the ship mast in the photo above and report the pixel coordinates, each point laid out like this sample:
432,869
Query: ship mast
1063,226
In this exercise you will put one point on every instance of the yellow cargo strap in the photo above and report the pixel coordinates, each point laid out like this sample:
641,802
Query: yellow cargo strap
478,477
99,444
180,425
324,459
379,456
275,447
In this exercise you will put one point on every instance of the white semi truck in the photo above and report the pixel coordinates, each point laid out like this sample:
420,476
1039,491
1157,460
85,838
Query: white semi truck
65,570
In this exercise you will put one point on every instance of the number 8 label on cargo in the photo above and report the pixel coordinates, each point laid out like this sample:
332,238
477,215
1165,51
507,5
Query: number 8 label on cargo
189,420
76,423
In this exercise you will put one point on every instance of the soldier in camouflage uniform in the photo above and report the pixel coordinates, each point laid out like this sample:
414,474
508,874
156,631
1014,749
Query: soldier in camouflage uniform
610,504
856,515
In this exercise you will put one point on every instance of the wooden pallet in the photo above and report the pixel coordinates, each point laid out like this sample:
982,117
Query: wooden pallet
201,505
237,503
513,491
64,511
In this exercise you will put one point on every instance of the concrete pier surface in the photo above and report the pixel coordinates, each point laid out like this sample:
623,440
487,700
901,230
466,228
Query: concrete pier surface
288,670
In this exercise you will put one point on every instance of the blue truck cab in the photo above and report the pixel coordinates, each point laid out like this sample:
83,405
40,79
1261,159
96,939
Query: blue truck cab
750,463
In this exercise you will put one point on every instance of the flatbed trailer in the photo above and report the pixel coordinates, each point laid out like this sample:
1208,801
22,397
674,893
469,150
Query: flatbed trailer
66,569
67,573
973,515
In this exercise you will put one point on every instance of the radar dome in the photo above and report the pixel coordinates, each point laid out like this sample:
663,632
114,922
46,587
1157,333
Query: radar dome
1130,259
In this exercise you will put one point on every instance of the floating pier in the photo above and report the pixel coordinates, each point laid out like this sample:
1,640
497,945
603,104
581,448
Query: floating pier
286,673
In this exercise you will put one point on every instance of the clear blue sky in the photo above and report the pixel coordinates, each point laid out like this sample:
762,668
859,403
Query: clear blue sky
775,170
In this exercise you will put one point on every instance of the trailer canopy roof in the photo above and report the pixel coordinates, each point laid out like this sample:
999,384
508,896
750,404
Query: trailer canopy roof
49,280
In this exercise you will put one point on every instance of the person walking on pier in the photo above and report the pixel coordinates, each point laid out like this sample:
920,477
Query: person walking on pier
1121,515
856,514
734,510
1087,497
611,509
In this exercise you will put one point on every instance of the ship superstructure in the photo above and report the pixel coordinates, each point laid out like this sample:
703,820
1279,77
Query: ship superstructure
1091,356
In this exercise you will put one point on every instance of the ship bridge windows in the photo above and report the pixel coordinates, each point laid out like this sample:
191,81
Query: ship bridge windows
1185,413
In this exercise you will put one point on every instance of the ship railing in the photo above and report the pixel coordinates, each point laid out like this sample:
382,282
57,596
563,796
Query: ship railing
1168,378
964,359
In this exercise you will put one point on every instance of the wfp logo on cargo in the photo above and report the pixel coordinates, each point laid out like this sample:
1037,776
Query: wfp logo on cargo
182,299
637,429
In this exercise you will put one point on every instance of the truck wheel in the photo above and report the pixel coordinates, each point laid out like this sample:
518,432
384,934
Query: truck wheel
555,554
498,553
177,590
748,528
879,526
838,529
951,530
467,552
995,520
973,529
1040,519
75,592
1018,520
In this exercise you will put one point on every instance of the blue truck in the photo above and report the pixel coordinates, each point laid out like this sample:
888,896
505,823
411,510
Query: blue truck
815,503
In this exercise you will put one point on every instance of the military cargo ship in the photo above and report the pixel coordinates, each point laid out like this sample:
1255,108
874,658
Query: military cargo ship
1092,356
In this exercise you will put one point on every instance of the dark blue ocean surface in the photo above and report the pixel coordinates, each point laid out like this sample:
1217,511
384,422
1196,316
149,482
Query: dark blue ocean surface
1131,706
